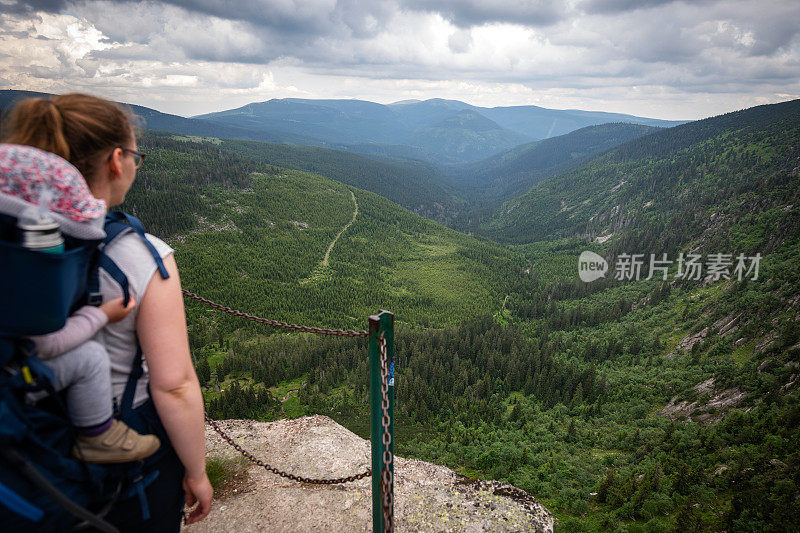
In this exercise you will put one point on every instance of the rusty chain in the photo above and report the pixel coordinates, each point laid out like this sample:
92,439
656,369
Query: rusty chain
386,477
386,473
276,323
281,473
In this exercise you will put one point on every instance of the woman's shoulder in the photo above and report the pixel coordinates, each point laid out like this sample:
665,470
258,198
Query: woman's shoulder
133,257
130,246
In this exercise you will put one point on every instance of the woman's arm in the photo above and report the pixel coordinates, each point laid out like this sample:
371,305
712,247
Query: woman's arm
161,329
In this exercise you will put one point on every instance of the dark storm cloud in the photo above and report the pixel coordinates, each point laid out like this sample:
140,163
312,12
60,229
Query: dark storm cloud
307,17
619,6
364,17
24,8
772,33
466,13
292,16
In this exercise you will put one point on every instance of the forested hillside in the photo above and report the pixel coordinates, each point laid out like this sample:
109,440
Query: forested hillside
253,235
668,184
624,404
513,172
419,187
489,183
460,196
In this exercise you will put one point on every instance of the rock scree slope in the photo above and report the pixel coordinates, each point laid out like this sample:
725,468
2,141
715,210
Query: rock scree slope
428,497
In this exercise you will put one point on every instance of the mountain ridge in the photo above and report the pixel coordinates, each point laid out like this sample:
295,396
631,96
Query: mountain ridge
511,173
399,122
157,120
660,166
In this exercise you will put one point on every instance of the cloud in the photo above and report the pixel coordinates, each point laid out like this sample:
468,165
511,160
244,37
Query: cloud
309,18
15,7
460,41
613,54
620,6
292,16
466,13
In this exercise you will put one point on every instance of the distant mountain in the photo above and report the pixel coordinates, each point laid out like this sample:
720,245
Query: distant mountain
670,187
441,131
9,97
328,121
156,120
531,121
464,135
421,114
540,123
435,130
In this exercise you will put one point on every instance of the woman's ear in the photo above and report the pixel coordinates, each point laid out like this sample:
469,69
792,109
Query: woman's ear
115,163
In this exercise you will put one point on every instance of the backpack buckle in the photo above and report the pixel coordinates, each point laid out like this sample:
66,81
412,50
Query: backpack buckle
95,299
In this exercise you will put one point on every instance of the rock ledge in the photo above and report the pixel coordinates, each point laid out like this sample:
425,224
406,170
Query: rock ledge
428,497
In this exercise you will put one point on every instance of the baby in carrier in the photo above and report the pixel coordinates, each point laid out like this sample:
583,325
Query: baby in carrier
80,365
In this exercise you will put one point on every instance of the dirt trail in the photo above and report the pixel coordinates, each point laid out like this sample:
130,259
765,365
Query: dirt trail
286,397
333,242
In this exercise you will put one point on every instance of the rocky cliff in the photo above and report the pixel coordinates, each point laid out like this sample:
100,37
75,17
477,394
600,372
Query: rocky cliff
428,497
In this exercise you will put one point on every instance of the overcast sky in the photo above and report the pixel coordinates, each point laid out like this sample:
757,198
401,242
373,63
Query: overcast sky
655,58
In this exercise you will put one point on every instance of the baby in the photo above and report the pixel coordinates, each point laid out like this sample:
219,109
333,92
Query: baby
80,365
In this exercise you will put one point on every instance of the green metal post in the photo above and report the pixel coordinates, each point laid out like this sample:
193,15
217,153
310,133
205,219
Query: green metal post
380,323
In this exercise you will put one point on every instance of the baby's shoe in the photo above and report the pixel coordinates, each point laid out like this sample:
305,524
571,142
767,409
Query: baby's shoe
117,444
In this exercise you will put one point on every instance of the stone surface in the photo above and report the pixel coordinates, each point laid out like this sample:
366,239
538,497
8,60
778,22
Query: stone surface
688,342
766,342
428,497
714,410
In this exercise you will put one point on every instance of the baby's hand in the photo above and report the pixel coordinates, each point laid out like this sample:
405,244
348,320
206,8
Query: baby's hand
115,311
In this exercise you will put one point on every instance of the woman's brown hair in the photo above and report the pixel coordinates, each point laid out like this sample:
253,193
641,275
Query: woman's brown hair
80,128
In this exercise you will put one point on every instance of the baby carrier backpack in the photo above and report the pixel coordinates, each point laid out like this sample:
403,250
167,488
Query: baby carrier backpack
42,487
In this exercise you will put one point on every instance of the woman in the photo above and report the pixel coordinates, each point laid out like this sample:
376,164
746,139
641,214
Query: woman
97,137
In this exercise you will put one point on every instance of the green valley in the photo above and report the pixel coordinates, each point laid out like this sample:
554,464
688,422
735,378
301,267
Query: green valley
623,404
262,231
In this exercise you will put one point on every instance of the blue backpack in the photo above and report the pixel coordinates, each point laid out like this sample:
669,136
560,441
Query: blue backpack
41,485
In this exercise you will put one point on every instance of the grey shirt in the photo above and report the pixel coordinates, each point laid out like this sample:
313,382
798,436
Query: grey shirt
134,259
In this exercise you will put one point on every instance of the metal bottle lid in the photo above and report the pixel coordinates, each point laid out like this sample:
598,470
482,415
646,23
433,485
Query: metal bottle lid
41,236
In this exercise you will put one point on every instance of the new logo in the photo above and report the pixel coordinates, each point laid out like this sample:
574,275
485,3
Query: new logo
591,266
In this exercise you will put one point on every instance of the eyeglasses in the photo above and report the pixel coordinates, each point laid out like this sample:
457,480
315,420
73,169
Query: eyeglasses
138,157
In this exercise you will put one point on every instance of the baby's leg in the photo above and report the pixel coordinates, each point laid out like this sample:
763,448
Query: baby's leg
85,372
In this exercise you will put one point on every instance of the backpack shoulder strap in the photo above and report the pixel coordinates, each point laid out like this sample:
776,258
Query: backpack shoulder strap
126,402
117,217
107,264
116,224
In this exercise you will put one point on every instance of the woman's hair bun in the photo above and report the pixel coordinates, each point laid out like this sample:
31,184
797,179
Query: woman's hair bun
78,127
